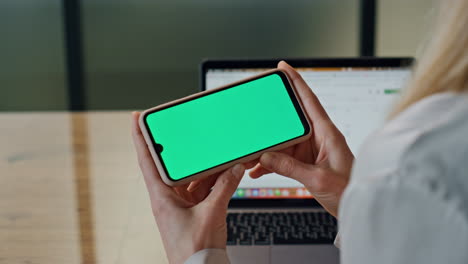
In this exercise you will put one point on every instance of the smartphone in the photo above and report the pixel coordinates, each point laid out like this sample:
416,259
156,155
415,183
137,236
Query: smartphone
211,131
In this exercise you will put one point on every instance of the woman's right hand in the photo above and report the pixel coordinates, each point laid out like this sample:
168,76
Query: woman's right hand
322,163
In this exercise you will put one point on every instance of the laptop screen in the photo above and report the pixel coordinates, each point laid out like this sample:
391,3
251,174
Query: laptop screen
357,99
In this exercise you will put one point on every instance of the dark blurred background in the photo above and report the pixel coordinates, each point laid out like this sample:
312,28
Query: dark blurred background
133,54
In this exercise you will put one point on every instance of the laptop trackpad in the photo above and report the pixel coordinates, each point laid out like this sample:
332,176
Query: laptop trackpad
249,254
305,254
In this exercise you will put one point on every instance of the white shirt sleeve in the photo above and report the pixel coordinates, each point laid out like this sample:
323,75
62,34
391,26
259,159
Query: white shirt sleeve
209,256
393,220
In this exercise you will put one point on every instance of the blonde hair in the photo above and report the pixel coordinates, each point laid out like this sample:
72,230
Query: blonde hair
444,64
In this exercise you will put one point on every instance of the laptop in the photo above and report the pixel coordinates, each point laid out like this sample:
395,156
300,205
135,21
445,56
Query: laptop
274,219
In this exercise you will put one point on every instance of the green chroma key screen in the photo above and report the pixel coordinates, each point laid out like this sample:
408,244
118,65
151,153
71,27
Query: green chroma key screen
226,125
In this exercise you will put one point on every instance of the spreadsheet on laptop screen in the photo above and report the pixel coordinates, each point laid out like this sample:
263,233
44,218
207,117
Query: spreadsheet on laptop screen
357,100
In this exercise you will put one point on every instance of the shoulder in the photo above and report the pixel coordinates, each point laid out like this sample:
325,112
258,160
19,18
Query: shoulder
425,146
394,220
385,148
408,195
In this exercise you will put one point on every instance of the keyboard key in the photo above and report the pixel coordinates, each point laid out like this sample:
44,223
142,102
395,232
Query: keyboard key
280,228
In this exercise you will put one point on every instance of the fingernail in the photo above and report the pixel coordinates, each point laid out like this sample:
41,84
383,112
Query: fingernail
238,170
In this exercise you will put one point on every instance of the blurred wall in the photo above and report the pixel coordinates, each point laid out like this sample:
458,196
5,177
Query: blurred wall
141,53
32,75
402,26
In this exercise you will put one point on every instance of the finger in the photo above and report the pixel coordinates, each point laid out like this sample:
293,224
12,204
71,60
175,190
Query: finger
286,165
151,176
258,171
311,103
182,191
315,178
197,183
194,185
250,164
306,152
226,185
324,185
204,188
210,180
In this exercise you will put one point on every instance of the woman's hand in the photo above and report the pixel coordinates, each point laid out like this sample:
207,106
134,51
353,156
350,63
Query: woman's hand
189,217
322,163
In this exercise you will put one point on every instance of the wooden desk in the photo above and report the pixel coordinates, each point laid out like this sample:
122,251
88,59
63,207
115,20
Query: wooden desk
71,191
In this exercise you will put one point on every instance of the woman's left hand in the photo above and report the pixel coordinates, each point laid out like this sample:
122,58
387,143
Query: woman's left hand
190,217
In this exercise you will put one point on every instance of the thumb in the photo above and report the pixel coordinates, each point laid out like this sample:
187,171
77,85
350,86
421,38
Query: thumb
288,166
226,185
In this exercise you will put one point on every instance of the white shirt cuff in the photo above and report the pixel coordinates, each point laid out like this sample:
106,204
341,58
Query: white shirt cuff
209,256
337,242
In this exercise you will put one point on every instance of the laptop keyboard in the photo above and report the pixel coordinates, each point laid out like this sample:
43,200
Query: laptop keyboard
282,228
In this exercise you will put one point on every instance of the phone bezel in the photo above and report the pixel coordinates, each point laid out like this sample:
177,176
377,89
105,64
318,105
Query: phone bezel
157,155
